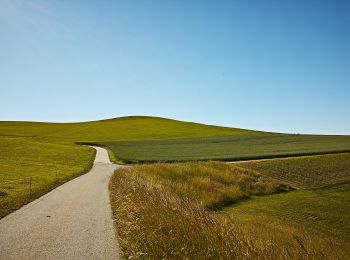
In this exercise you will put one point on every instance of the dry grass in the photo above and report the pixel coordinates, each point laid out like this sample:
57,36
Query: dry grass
156,221
213,184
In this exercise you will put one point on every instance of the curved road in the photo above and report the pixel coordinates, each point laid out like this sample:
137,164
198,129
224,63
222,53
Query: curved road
73,221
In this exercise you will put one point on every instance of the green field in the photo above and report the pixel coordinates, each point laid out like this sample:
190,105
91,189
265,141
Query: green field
161,210
30,149
36,157
194,209
227,148
322,201
150,139
306,171
118,129
325,209
29,169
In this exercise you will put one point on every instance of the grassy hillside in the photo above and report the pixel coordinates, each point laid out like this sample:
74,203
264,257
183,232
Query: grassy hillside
41,151
124,128
229,148
28,169
161,211
143,139
31,149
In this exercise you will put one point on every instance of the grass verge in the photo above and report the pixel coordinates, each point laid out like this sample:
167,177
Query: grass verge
29,169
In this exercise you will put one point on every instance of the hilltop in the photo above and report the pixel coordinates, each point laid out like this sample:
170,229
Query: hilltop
117,129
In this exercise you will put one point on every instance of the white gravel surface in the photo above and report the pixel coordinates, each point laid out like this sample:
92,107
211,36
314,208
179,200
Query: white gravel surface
74,221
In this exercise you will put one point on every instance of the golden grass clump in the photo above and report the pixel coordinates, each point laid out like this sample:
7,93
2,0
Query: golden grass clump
213,184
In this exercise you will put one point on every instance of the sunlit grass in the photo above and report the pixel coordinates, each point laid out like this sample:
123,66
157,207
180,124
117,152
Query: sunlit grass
212,184
28,169
161,211
325,209
322,203
36,157
124,128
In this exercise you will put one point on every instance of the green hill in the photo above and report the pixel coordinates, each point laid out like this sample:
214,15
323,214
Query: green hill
38,156
117,129
145,139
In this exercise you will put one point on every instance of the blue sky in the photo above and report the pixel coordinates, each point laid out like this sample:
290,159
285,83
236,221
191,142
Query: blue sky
269,65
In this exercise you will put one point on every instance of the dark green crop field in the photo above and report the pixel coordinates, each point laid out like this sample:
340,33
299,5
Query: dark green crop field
227,148
306,171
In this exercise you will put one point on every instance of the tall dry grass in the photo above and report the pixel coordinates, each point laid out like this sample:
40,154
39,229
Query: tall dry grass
155,222
213,184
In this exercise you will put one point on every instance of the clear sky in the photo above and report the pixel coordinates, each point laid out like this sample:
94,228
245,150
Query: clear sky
269,65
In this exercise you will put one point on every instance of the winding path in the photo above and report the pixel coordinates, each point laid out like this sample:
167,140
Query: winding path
71,222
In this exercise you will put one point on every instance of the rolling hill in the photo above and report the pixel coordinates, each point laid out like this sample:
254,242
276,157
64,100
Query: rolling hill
117,129
148,139
36,157
48,154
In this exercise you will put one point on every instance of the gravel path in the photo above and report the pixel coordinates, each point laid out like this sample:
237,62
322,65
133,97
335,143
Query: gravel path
71,222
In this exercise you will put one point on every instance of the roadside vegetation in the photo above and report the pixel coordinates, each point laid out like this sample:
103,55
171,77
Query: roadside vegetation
29,169
226,184
227,148
166,211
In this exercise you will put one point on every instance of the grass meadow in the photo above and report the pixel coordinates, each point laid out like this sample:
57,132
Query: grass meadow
29,169
37,157
118,129
323,209
321,201
295,208
161,211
